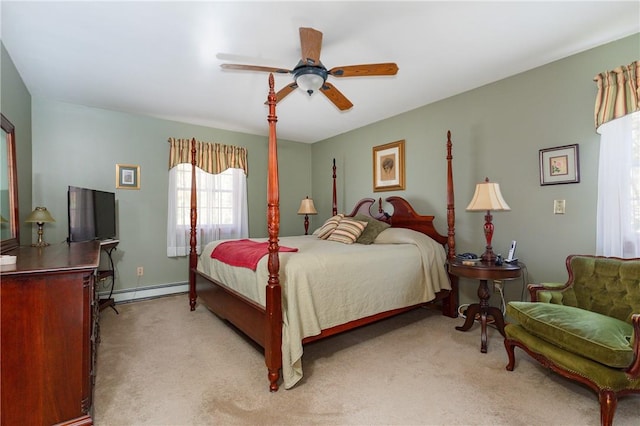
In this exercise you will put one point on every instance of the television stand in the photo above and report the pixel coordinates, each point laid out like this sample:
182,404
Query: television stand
108,246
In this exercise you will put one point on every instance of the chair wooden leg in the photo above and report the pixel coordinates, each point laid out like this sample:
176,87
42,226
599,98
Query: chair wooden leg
608,403
510,347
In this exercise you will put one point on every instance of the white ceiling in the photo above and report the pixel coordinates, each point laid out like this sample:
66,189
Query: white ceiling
162,59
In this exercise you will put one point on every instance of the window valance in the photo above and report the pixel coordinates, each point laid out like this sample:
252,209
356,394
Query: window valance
618,93
213,158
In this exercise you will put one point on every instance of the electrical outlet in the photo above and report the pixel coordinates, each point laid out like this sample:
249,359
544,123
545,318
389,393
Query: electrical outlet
497,285
140,271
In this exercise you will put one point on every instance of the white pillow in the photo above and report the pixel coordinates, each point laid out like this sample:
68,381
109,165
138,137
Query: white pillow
398,236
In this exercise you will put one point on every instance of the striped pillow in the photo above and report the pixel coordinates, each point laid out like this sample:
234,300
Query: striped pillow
328,227
348,231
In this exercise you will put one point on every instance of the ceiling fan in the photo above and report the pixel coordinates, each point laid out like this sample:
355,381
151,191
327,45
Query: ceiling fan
310,75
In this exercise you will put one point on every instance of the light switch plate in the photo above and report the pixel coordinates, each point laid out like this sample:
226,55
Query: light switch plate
558,206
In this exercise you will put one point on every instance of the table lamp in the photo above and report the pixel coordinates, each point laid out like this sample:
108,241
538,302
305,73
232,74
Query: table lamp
486,198
40,215
307,208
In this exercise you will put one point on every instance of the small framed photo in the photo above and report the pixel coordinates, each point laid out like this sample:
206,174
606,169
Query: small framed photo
388,167
127,176
559,165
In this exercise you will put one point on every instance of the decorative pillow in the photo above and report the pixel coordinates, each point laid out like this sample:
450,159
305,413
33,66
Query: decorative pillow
374,227
348,231
328,227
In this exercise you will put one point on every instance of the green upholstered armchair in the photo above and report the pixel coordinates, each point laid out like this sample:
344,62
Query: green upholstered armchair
587,330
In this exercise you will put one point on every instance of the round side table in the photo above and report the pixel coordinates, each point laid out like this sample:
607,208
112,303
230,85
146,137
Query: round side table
483,271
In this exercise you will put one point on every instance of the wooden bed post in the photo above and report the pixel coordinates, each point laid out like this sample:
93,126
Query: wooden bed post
273,341
450,304
334,206
451,215
193,254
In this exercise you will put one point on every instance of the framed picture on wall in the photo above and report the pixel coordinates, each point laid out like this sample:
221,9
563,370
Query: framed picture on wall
388,167
559,165
127,176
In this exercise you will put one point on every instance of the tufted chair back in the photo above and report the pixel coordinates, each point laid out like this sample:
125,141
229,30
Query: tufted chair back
606,285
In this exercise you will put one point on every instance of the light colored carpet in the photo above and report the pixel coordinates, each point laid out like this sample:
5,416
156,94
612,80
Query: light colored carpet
161,364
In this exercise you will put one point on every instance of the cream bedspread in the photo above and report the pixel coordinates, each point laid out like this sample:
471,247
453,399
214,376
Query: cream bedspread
328,283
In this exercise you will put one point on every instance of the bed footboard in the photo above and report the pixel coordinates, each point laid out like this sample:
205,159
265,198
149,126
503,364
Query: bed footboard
232,306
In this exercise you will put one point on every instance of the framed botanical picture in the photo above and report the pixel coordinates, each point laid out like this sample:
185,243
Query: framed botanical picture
388,167
127,176
559,165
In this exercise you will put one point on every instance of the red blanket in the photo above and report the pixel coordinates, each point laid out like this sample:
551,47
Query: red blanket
243,253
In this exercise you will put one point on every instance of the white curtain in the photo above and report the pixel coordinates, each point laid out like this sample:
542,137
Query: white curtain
618,210
222,207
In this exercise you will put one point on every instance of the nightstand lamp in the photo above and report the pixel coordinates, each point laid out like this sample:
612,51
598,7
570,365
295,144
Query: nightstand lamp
40,216
307,208
486,198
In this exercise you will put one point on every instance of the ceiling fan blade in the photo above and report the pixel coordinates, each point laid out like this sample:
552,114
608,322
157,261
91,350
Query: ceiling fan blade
284,92
388,68
336,96
310,45
254,68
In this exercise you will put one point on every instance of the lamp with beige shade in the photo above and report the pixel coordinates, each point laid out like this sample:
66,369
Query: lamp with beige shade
487,198
40,215
307,208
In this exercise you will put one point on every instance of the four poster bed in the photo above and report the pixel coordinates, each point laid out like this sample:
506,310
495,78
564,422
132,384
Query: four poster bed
310,288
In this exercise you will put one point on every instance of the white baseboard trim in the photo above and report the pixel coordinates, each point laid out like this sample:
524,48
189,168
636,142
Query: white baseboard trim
149,292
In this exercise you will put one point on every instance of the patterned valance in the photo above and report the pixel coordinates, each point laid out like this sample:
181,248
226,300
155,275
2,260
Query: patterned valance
618,93
213,158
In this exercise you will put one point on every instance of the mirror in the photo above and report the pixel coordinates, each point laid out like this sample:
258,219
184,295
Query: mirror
9,220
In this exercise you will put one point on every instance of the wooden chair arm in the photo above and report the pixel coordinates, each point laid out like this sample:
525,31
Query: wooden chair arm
634,370
535,288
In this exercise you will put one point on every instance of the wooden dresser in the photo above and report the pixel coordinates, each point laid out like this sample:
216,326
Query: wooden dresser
48,313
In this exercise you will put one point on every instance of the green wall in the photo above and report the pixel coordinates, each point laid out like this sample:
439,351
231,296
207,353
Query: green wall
80,146
16,106
497,132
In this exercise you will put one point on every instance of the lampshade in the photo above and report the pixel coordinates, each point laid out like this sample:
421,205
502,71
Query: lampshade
40,215
310,79
488,197
307,207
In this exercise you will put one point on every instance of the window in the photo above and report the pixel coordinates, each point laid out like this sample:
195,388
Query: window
222,207
618,211
635,173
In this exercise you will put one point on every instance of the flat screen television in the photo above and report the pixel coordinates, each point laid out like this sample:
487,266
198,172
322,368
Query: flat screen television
92,214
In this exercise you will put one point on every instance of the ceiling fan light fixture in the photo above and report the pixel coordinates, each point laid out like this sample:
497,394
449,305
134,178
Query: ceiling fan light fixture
310,75
310,79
